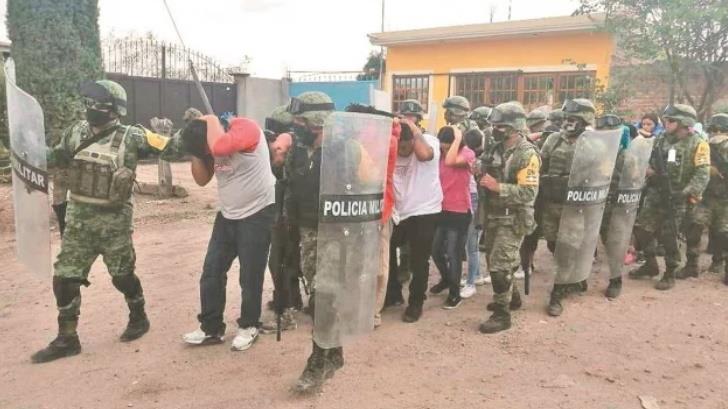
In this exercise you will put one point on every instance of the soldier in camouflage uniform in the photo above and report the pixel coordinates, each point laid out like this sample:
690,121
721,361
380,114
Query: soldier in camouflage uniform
556,120
510,180
557,155
536,122
712,212
687,158
457,110
480,116
101,157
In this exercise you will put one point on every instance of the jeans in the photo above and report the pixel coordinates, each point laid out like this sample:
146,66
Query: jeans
448,248
248,240
473,252
417,232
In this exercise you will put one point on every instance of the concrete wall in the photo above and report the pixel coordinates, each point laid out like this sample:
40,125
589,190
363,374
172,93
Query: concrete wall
342,92
257,97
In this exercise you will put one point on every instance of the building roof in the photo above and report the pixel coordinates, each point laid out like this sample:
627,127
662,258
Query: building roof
505,29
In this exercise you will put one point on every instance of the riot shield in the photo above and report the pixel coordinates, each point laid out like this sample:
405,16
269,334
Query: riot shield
354,156
622,210
30,176
591,172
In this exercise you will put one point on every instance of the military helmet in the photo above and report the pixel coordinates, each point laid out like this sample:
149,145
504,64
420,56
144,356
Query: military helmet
580,108
313,106
411,107
480,113
510,113
685,114
191,114
608,121
107,93
556,115
535,117
457,105
279,120
718,123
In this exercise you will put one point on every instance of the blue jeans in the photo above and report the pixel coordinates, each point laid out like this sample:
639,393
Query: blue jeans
248,240
472,245
448,248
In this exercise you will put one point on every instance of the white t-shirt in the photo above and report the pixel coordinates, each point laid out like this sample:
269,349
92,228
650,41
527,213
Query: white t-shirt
417,189
245,182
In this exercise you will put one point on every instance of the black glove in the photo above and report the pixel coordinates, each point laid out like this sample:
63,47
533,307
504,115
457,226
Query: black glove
194,139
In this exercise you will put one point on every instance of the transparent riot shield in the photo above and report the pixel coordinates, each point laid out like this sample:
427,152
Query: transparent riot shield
353,167
581,217
622,210
30,176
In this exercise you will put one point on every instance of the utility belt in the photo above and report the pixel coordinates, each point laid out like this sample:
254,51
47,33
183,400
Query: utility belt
97,175
553,188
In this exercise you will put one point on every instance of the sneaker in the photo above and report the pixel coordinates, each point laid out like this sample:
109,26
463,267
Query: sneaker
439,287
463,282
199,337
244,339
452,302
467,291
412,313
519,275
480,280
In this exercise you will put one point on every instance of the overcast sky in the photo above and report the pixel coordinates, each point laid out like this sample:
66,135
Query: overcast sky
300,34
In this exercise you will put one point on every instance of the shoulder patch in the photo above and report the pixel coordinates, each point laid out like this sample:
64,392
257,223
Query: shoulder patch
155,140
528,175
702,154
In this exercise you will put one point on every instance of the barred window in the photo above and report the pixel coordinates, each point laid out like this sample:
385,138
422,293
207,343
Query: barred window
503,88
538,90
472,87
575,85
410,87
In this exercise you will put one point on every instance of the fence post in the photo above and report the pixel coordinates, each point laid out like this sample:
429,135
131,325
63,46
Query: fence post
163,126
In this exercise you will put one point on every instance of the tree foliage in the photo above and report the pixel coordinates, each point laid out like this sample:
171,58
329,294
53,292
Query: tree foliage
56,47
371,68
689,36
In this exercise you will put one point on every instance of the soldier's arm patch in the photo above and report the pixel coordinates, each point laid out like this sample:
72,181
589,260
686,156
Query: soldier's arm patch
155,140
528,176
702,154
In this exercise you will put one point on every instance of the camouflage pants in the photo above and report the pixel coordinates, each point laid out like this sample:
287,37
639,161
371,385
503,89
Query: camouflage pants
502,252
550,221
308,256
653,223
60,186
713,214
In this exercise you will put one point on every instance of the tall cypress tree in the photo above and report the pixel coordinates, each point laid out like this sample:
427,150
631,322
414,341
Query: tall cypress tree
56,47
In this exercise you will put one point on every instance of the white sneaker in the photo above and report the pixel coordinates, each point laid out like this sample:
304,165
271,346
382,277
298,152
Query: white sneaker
519,275
480,280
463,282
198,337
467,291
244,339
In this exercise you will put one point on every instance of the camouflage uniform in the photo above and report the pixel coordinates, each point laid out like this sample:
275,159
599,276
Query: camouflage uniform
457,110
509,213
688,167
99,217
712,212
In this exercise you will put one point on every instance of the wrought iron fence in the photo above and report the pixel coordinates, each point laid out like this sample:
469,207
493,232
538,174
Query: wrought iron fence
145,57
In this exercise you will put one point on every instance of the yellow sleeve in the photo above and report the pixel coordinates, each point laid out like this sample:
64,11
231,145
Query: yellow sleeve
155,140
528,176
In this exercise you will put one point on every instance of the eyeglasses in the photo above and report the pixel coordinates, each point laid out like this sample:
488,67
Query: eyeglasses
297,107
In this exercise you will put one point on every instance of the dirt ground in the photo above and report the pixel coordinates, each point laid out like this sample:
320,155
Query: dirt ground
599,354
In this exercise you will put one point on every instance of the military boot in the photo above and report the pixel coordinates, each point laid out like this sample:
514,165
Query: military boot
335,361
515,304
66,343
138,322
667,281
614,288
314,374
690,269
717,266
557,294
648,269
500,320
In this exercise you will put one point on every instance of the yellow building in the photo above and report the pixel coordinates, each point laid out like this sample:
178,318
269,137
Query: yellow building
537,62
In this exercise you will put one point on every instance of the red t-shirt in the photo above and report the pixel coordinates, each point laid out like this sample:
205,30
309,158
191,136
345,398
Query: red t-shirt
455,183
391,162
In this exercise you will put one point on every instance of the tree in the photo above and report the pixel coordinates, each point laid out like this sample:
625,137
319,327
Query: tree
371,68
689,37
56,47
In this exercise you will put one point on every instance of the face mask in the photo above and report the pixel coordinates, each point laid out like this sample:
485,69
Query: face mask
499,134
98,118
307,137
573,128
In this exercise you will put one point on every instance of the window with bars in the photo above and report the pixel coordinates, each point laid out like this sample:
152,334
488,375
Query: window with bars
532,90
410,87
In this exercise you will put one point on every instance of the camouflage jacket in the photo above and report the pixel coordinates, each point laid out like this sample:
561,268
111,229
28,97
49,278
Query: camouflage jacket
688,165
557,155
718,185
517,171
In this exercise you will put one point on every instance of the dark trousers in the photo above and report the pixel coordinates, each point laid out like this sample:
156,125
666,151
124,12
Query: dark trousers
248,240
448,247
417,232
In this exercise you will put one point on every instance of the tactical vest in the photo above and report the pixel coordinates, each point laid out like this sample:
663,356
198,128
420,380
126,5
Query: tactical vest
718,186
504,166
97,174
556,170
680,170
304,176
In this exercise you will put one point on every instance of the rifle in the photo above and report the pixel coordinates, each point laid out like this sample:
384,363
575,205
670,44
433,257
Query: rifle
717,160
664,185
280,279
